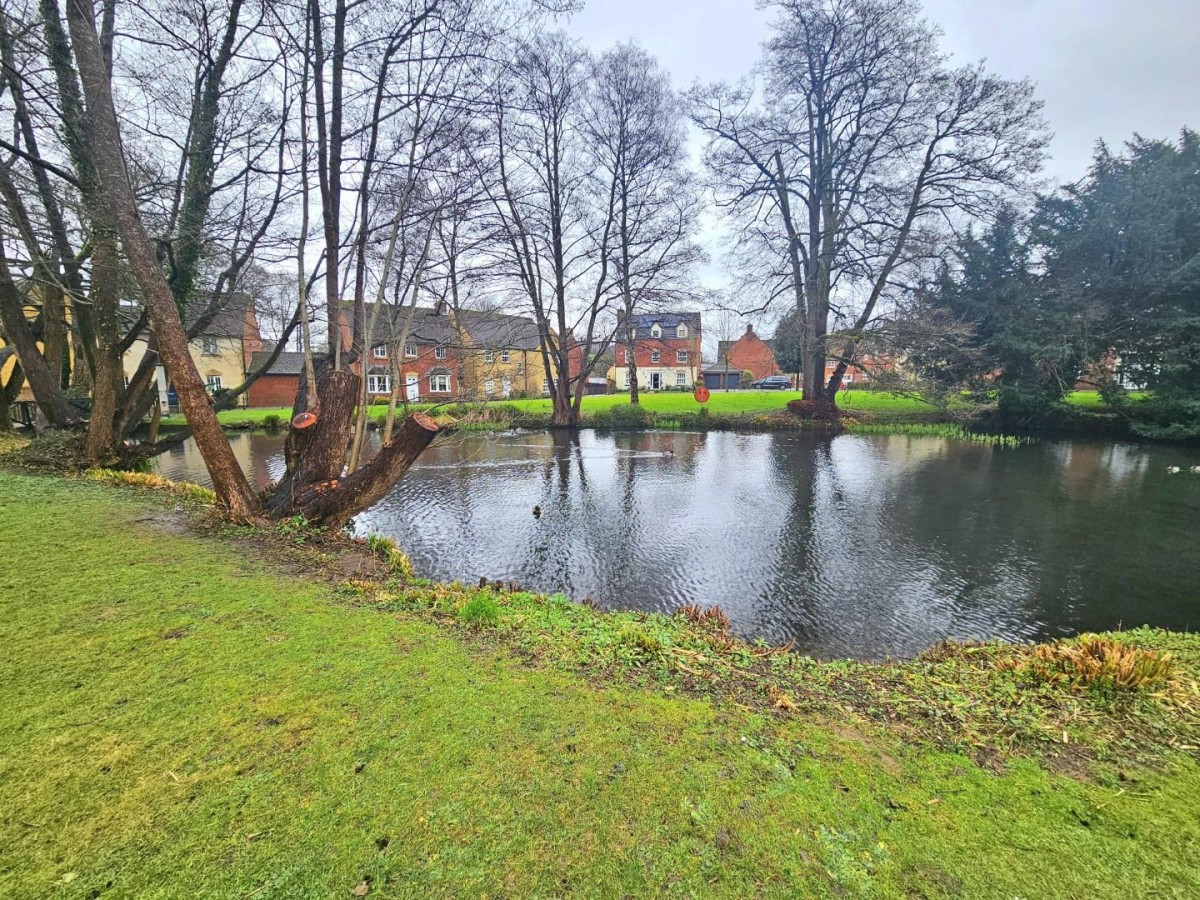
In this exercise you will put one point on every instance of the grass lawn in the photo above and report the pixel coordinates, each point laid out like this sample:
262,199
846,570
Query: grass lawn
179,719
721,403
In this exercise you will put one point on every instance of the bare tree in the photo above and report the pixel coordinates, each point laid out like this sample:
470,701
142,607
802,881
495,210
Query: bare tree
554,212
864,136
636,129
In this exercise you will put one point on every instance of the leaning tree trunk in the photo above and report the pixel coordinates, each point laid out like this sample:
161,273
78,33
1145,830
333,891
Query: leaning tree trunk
229,481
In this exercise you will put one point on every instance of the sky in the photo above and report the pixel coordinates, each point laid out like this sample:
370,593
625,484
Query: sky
1105,68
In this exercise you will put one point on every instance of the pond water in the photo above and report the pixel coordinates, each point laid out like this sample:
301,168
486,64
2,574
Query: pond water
855,545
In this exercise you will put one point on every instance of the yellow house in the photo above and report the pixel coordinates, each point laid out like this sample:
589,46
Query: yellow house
221,352
501,356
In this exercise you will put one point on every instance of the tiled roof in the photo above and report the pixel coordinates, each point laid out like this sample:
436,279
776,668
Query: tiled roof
665,319
290,362
229,321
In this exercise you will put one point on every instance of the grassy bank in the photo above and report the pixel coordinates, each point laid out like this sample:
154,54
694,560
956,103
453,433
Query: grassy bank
207,714
724,409
722,403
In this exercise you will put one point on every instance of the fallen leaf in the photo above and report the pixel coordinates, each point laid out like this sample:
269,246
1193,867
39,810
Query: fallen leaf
361,890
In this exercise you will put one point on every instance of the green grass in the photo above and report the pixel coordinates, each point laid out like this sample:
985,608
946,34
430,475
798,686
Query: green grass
180,719
721,403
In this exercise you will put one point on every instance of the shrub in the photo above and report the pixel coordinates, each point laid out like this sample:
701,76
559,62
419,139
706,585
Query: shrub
1100,663
396,560
481,611
272,422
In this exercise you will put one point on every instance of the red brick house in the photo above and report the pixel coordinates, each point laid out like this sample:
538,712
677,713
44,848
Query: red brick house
666,349
278,385
749,353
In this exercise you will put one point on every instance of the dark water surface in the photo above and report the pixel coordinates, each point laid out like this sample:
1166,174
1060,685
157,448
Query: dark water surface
855,545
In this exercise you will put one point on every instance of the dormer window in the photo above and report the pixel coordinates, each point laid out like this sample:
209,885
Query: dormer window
410,350
379,351
656,331
208,346
439,353
681,331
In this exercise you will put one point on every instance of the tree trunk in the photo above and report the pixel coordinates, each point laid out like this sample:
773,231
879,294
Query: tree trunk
107,385
332,502
228,479
631,359
43,381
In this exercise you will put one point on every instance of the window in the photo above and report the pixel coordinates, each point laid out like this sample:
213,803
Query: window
505,356
410,350
379,351
489,386
489,356
439,352
545,385
655,356
656,331
439,384
681,379
379,383
212,383
681,357
520,368
208,346
681,331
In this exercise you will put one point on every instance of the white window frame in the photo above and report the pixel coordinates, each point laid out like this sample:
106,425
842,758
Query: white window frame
520,368
489,386
681,357
681,379
489,356
410,351
209,346
380,351
379,384
655,356
213,383
505,356
439,352
681,331
436,383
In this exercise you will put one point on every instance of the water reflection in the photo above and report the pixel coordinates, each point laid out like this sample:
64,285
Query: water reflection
857,545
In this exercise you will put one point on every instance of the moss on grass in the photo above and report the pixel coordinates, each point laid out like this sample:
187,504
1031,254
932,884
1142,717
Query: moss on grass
188,714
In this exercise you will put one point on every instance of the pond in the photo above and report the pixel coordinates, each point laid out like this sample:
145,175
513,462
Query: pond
864,546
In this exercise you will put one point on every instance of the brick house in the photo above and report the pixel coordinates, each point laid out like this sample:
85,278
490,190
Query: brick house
278,385
666,349
430,361
749,353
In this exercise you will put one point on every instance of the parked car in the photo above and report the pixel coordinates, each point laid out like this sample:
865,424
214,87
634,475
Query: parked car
773,383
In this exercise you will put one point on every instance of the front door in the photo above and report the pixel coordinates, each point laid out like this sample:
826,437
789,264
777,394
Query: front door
655,381
506,387
412,390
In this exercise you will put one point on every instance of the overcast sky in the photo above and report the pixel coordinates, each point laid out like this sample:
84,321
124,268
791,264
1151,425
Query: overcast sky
1105,68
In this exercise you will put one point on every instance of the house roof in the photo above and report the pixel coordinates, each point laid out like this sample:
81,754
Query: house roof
483,329
665,319
229,321
499,331
721,368
290,362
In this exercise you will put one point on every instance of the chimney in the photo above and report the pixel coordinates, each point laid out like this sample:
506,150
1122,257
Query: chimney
749,328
